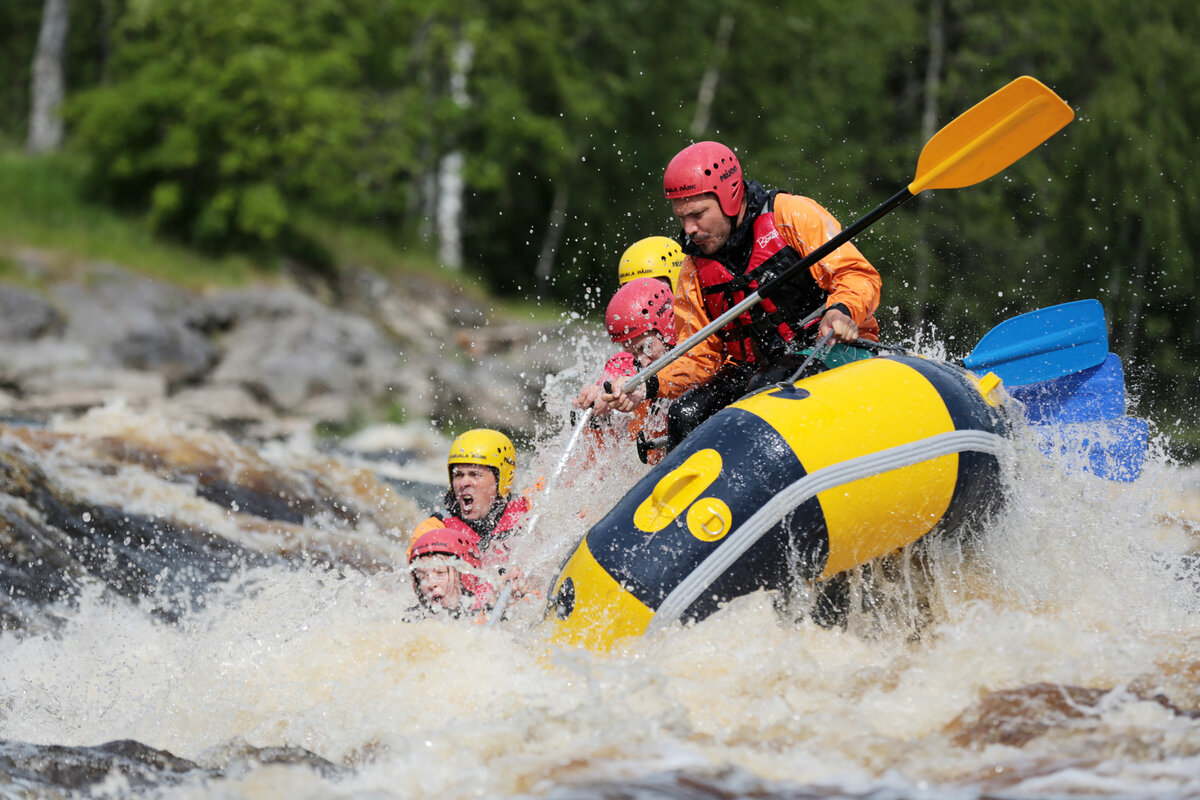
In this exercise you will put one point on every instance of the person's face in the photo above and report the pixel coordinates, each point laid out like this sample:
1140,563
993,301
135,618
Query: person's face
703,221
474,488
646,348
438,582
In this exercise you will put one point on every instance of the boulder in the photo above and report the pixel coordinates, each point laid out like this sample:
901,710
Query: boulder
26,314
133,322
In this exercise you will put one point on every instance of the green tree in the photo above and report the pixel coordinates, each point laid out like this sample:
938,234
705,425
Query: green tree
1103,210
219,122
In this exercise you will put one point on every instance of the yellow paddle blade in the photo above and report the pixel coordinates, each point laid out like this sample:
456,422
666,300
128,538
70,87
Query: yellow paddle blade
991,135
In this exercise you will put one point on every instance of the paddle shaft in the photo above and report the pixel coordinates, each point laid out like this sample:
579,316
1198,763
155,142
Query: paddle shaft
767,287
507,592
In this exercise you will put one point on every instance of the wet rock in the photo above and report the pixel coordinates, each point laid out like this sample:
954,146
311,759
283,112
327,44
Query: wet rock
228,308
133,322
227,407
289,351
203,508
35,566
55,538
422,299
1014,717
23,363
255,359
415,313
290,361
238,755
26,314
76,389
57,768
78,768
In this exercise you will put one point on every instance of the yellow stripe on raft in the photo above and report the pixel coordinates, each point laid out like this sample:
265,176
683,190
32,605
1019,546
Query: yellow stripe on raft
603,611
872,516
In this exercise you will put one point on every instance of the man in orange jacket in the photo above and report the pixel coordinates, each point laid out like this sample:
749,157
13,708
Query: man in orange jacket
737,235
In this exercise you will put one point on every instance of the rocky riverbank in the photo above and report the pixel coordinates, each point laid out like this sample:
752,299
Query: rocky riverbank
265,360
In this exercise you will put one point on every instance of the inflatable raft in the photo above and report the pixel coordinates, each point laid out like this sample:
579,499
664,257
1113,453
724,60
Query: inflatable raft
808,480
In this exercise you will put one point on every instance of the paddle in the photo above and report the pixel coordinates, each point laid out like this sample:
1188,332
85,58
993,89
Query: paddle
979,143
1043,344
506,593
1091,394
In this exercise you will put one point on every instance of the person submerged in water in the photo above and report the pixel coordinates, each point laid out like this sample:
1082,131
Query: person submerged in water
445,565
481,467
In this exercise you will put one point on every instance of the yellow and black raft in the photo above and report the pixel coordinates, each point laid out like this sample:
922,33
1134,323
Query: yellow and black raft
816,477
799,481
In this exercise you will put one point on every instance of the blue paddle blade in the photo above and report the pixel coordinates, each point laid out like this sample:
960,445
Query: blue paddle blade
1091,394
1044,344
1113,448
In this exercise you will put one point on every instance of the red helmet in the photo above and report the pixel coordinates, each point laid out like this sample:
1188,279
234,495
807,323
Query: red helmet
456,539
706,167
641,305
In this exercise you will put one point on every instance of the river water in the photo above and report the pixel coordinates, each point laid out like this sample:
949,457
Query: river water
1054,654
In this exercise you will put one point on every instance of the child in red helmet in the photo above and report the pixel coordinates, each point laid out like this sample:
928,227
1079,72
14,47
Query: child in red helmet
444,563
640,318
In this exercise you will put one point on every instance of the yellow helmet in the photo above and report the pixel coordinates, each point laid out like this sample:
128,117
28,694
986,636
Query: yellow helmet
652,257
489,448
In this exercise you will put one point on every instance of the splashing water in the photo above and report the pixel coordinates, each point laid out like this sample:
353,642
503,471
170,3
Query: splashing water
1054,652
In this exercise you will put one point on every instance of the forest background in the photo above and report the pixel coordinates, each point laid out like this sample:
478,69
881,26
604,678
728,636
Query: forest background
521,143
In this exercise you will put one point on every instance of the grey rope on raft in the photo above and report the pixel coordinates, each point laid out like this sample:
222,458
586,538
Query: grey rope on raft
784,502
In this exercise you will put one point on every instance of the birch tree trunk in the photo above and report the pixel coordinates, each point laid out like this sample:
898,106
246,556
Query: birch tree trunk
450,172
712,76
449,209
47,86
552,239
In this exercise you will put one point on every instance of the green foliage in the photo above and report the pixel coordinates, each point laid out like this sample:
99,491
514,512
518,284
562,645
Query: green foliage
42,206
220,122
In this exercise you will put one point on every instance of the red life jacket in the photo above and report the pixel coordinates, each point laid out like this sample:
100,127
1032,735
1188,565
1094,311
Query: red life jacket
493,540
762,330
512,518
495,544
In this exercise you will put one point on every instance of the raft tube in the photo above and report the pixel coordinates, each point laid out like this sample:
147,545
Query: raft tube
795,482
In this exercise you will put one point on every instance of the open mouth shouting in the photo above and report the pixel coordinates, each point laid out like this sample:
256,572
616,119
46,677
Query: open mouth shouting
466,501
474,488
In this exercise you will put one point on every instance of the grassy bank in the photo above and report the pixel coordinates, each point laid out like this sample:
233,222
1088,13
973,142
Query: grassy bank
42,208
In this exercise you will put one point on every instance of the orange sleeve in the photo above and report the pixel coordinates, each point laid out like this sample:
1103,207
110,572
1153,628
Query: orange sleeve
845,273
702,361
